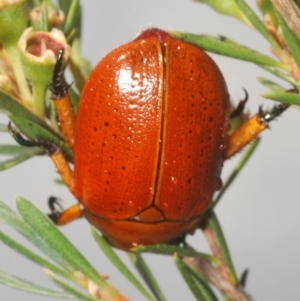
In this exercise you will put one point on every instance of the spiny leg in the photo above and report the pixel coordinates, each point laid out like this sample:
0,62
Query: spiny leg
62,102
60,217
67,121
251,128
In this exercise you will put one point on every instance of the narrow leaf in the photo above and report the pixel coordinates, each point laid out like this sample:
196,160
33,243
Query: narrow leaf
229,49
32,256
270,85
29,124
55,240
257,23
171,250
44,18
213,223
246,156
34,131
147,275
24,285
20,158
11,106
291,39
286,77
73,16
188,278
113,257
12,149
285,97
72,290
203,285
8,217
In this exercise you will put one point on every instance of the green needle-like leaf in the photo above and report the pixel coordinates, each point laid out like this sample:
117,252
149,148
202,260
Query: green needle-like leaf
229,49
285,97
73,17
113,257
30,125
44,228
213,223
286,77
35,131
33,256
270,85
171,250
203,285
72,290
8,217
247,155
147,275
10,106
44,18
13,150
24,285
189,279
257,23
20,158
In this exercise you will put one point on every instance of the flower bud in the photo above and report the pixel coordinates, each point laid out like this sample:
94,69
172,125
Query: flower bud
226,7
13,21
39,52
55,19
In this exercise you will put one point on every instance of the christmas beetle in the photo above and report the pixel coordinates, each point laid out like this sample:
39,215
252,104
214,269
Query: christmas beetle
149,140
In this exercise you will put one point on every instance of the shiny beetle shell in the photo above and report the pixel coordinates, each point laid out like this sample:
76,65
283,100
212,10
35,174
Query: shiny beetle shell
149,142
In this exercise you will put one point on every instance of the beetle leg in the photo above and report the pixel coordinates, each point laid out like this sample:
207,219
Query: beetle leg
55,153
62,217
62,102
63,168
251,128
240,107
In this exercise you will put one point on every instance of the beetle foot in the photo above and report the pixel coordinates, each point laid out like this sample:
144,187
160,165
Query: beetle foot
240,107
50,147
57,87
266,117
55,207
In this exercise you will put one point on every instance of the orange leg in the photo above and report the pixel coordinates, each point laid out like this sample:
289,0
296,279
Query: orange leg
64,169
62,102
250,129
67,120
60,217
65,216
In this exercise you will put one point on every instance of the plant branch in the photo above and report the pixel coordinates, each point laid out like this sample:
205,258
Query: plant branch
290,13
212,274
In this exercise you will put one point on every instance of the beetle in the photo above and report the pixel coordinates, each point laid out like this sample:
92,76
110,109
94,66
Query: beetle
149,140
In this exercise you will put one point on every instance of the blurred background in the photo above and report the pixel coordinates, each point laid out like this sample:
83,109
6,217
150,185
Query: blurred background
259,213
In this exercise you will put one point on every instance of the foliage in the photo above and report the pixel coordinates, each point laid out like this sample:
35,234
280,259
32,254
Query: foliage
30,109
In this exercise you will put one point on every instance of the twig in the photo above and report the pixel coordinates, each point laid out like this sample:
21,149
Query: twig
212,274
290,13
